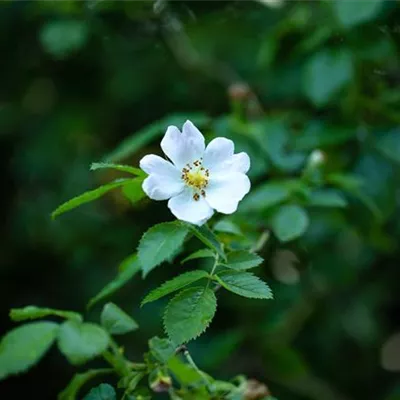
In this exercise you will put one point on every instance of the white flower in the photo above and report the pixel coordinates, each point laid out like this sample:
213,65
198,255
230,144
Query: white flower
199,180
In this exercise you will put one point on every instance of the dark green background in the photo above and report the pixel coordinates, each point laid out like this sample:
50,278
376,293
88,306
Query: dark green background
79,77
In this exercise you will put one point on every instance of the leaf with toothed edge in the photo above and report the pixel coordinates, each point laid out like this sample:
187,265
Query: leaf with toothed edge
203,253
175,284
189,314
244,284
129,267
24,346
118,167
207,236
159,243
242,260
87,197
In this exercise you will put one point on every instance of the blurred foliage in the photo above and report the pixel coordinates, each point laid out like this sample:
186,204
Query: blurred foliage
84,81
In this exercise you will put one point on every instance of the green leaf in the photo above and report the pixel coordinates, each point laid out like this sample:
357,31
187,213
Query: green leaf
208,238
24,346
72,390
290,222
88,197
389,145
146,135
102,392
130,382
186,374
159,243
118,167
326,74
33,312
189,313
274,139
128,268
227,226
175,284
162,349
61,38
242,260
82,342
321,135
203,253
117,321
265,196
353,12
244,284
327,198
133,190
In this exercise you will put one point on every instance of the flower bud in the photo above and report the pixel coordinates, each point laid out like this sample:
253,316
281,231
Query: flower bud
239,91
160,383
317,157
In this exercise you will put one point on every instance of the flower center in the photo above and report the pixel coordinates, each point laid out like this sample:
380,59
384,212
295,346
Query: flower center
196,177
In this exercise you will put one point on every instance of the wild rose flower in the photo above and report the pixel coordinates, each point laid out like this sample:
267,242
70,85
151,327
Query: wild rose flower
199,179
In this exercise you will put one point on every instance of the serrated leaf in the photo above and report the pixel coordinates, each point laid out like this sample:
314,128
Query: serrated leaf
203,253
189,313
162,349
118,167
82,342
244,284
117,321
128,268
133,190
72,390
290,222
146,135
327,198
227,226
34,312
208,238
102,392
175,284
265,196
24,346
242,260
159,243
87,197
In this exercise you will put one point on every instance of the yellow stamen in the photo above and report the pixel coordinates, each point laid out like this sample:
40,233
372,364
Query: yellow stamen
196,177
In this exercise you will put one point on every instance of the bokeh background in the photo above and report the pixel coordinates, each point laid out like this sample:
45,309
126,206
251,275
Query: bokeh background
79,77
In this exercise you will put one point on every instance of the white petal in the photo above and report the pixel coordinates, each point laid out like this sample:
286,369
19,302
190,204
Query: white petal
218,151
185,208
240,163
225,191
185,147
162,187
237,163
152,164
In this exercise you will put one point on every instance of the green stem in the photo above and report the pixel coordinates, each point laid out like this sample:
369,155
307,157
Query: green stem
116,359
212,270
195,367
